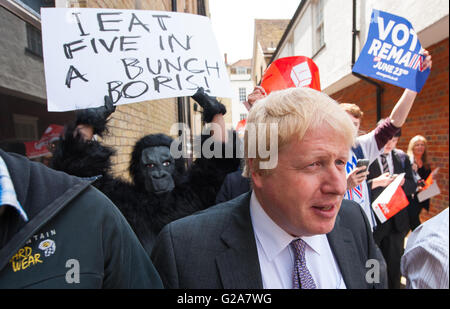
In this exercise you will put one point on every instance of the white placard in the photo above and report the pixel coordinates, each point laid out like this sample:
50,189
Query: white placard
432,189
131,55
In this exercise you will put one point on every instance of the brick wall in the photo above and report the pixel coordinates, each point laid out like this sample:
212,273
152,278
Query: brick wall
229,115
132,121
428,117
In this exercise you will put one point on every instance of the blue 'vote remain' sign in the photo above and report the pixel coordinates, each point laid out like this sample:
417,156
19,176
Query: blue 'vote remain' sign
392,53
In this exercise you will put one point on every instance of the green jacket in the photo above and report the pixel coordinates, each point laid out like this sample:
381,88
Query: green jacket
84,243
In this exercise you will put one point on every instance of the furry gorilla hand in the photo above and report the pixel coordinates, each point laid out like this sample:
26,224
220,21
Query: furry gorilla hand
210,105
96,117
108,108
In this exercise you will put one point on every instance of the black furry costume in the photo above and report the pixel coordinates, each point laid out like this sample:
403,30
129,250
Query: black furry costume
146,212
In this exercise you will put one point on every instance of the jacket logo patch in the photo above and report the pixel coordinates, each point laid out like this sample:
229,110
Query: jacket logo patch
25,258
41,236
30,254
48,246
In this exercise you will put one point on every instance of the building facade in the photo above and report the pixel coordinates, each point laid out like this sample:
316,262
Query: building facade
266,37
24,115
241,85
333,32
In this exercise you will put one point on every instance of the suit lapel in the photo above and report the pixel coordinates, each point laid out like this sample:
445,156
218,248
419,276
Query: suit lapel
396,163
343,246
374,170
239,264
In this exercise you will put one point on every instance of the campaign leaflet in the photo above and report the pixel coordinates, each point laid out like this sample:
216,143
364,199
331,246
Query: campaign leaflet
392,53
391,200
36,149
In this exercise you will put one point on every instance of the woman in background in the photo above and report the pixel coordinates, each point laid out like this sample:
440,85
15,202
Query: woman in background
417,152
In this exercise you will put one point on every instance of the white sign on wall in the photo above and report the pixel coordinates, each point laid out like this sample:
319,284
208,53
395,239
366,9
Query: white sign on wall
130,55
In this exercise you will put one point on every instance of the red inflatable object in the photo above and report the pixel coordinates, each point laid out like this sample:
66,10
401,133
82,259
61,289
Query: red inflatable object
288,72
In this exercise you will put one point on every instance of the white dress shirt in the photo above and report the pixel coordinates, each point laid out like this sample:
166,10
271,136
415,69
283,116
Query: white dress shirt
425,262
276,257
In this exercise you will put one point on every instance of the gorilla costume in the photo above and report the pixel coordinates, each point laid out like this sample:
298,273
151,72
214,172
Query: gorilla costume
161,189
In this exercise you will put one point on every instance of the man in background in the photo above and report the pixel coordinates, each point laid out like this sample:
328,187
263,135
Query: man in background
390,235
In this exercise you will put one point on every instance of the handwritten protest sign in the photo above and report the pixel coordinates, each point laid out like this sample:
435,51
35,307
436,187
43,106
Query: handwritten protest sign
392,53
131,55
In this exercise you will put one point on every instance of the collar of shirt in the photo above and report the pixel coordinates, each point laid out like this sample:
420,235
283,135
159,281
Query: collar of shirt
276,256
8,195
273,238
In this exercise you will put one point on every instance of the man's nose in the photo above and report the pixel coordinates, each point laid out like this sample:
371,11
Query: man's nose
334,182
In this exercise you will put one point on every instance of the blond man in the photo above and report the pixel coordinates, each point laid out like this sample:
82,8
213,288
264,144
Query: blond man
293,230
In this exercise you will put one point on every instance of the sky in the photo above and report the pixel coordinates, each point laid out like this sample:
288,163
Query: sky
233,22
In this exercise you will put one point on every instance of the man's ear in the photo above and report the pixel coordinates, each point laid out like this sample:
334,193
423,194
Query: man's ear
255,175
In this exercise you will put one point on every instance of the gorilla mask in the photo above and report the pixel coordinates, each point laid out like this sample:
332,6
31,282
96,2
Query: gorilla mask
158,168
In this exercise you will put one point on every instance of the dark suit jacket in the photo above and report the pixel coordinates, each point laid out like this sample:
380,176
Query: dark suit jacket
399,222
233,185
216,248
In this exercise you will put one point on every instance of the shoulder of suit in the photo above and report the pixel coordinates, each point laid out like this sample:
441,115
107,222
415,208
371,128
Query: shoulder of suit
212,215
350,212
399,152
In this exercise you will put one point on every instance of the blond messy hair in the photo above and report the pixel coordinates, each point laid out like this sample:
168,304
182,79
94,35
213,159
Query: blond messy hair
294,111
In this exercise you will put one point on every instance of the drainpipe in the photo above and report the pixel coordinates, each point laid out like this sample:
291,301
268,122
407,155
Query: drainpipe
183,102
380,88
179,99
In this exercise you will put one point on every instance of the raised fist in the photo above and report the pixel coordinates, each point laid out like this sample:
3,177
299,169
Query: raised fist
210,105
96,117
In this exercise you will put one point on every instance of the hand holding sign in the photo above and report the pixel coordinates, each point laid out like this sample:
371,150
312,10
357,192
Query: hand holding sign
393,53
257,94
92,121
210,105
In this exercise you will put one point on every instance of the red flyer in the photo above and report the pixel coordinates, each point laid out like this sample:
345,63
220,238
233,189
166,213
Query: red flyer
391,200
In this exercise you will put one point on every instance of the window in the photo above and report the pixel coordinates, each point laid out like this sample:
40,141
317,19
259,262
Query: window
241,70
25,127
242,94
201,7
34,41
319,37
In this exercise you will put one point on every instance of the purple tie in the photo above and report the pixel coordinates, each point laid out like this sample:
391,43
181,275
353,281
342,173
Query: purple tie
302,277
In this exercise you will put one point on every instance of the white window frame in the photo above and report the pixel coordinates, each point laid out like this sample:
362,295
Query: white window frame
242,94
241,70
318,25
